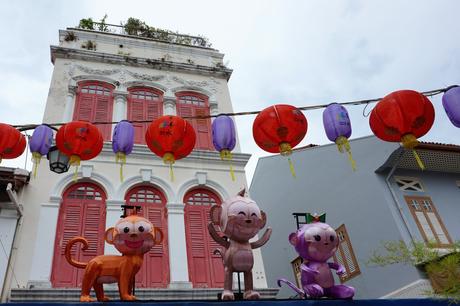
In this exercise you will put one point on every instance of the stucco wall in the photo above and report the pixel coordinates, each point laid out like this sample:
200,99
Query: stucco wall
326,183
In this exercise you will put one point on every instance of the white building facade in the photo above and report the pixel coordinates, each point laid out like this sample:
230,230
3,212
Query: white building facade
102,76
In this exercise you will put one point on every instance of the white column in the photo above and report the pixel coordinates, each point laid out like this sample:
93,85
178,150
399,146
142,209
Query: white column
178,264
42,258
112,216
213,109
169,105
69,104
120,110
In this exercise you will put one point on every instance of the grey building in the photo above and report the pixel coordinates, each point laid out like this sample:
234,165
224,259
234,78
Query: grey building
388,198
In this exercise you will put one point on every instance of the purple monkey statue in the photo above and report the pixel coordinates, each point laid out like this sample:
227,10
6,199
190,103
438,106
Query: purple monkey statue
316,242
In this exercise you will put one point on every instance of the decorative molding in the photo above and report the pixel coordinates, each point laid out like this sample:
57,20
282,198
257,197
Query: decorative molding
201,177
87,171
157,182
197,85
85,55
214,186
122,95
145,83
72,90
68,179
146,174
89,70
145,77
175,208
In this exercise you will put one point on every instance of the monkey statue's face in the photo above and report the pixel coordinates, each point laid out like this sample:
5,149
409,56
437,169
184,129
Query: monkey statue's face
134,235
315,241
239,217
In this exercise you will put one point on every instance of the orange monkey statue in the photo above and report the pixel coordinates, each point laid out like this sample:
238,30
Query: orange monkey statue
133,236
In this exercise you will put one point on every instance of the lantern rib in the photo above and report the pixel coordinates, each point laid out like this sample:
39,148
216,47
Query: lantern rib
430,93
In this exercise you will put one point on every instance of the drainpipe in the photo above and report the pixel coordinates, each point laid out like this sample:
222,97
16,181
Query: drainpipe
395,198
9,268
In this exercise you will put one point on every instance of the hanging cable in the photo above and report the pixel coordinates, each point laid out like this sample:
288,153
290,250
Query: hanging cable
429,93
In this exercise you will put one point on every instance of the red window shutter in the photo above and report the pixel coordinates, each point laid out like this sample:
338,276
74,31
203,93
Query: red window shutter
191,105
205,268
103,113
144,104
155,270
84,108
95,104
136,113
82,213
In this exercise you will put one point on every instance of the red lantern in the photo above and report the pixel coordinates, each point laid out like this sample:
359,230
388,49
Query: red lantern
171,138
403,116
279,128
12,142
80,141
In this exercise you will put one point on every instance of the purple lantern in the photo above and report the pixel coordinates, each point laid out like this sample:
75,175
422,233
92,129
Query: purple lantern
451,103
122,143
224,139
338,128
40,144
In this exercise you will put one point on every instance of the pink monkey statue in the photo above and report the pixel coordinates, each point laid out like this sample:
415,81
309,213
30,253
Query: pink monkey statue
240,220
316,243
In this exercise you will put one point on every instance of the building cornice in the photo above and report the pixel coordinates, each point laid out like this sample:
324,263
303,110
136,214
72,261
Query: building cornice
87,55
238,159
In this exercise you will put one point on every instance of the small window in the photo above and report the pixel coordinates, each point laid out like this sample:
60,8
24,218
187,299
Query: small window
409,184
345,255
428,220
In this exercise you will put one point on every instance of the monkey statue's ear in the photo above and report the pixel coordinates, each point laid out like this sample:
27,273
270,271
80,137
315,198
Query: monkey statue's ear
264,219
158,235
215,214
109,235
293,239
242,193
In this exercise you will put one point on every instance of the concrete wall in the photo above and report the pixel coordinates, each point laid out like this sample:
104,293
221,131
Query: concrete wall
8,220
326,183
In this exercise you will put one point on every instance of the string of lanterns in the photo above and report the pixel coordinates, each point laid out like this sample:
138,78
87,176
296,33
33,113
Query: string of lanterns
402,116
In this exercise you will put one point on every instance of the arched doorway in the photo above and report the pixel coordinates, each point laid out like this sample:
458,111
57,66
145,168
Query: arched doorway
206,269
82,213
155,270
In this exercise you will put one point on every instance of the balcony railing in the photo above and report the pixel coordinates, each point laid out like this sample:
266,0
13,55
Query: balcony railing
152,33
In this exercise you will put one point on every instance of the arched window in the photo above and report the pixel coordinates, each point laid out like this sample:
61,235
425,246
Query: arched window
205,268
82,213
143,104
194,104
155,269
95,104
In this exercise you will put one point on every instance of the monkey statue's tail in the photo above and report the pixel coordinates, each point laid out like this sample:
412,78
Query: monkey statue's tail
68,255
290,284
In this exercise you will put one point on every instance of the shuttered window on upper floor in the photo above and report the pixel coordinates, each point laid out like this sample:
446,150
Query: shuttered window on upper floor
143,104
94,104
191,104
428,220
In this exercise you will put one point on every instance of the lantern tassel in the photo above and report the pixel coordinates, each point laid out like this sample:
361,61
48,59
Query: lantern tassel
75,161
344,146
409,141
291,167
171,172
120,158
168,158
36,157
227,155
418,159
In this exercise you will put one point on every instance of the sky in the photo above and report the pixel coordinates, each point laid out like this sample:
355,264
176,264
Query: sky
284,51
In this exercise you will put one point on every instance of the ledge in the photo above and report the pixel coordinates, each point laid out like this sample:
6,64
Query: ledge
70,53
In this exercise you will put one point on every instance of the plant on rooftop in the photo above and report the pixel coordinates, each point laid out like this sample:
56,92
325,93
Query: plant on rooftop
87,24
442,270
102,26
70,36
